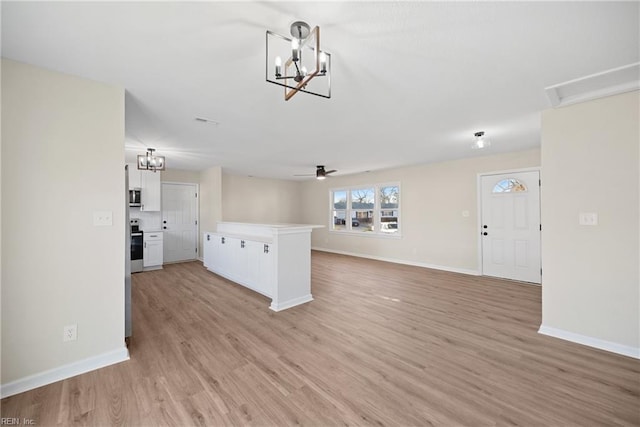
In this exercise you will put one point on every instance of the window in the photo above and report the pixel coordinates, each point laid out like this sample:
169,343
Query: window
339,210
509,185
389,204
371,209
362,204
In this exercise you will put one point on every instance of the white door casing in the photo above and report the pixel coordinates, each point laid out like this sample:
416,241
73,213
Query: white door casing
179,221
510,225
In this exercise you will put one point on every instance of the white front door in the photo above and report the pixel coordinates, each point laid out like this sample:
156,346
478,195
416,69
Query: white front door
510,226
179,221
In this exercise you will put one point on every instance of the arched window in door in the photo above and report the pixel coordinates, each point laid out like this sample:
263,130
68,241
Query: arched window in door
509,185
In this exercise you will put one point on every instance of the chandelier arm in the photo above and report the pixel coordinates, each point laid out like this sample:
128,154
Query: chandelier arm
293,77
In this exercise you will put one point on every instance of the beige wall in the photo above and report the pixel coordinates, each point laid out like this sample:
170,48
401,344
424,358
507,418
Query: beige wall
246,199
210,201
179,175
58,268
590,160
433,197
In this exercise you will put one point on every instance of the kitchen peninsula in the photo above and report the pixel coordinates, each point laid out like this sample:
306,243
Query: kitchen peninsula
272,259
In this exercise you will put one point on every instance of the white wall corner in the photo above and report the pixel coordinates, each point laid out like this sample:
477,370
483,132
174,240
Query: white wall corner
624,350
63,372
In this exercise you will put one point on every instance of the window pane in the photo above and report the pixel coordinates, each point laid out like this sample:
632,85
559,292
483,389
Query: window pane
362,220
362,198
340,199
339,220
390,227
510,185
389,203
389,197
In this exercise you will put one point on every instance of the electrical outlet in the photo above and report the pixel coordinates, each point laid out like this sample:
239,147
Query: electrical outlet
588,218
70,333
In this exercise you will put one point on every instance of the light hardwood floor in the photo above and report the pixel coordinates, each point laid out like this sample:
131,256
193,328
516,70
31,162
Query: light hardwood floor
381,344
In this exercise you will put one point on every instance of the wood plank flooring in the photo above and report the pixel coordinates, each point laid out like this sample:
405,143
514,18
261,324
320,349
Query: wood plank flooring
381,344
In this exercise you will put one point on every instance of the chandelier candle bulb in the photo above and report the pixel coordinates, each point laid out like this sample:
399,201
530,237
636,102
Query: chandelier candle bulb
278,66
295,46
323,62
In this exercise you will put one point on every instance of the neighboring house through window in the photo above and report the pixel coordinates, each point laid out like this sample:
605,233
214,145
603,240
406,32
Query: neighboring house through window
370,209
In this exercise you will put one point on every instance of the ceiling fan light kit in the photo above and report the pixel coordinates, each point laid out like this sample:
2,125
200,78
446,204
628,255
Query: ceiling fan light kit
305,67
321,173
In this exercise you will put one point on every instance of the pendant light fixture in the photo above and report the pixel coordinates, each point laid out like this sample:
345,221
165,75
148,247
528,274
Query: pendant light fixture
150,161
295,62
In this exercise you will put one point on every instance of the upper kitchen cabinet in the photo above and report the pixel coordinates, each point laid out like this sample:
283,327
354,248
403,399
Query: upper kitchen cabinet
149,184
150,191
134,176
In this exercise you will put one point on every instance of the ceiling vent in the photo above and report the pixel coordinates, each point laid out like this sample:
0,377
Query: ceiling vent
607,83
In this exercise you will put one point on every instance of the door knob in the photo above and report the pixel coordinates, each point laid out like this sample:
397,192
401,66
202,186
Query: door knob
485,233
484,226
164,228
164,222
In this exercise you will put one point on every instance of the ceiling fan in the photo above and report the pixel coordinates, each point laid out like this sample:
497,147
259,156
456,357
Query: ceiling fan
320,172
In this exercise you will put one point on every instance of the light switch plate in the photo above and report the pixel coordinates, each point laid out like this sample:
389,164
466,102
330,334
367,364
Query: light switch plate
70,333
588,218
102,218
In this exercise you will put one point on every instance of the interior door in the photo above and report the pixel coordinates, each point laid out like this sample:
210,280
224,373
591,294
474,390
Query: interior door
510,226
179,222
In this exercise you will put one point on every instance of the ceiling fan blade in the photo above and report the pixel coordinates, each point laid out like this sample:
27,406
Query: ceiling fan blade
331,171
306,174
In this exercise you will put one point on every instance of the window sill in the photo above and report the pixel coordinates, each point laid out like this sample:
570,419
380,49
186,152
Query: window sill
368,234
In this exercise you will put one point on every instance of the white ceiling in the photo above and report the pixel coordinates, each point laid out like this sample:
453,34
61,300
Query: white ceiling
411,81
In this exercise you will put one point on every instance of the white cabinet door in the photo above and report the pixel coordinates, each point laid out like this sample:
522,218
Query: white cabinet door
234,256
243,262
152,253
227,256
150,191
252,262
261,268
152,249
208,249
134,176
217,253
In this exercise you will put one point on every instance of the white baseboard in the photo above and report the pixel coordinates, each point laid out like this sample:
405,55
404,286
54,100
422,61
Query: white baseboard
290,303
590,341
63,372
402,261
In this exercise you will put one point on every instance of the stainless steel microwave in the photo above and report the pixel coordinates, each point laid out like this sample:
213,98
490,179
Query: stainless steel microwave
134,197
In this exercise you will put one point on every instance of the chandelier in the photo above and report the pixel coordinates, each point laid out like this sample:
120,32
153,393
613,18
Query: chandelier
296,62
150,161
